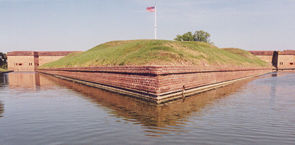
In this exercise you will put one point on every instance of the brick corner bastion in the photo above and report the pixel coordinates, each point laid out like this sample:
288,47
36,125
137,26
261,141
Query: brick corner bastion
158,84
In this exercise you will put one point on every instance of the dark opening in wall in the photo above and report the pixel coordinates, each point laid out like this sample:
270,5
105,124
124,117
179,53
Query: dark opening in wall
275,57
281,63
291,63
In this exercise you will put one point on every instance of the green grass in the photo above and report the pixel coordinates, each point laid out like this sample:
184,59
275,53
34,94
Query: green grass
156,52
3,70
245,56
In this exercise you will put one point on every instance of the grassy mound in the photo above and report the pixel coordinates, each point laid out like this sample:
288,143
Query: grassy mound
246,56
157,52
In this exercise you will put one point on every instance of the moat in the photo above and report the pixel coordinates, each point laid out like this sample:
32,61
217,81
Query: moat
39,109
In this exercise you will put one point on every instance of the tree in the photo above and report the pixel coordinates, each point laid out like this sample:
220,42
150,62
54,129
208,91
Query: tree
185,37
202,36
197,36
3,60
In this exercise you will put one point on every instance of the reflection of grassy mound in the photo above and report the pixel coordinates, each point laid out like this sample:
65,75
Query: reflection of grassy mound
155,52
1,109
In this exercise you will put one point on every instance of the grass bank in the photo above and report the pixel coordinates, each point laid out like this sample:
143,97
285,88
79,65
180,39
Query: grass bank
157,52
3,70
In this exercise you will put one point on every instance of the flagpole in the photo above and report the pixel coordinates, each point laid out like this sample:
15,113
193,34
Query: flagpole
155,26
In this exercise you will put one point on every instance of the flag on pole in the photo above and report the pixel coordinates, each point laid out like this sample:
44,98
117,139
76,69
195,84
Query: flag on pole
151,9
154,10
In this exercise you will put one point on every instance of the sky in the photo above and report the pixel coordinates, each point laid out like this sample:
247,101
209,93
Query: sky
64,25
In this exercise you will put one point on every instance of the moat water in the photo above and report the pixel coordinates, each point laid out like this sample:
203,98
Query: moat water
37,109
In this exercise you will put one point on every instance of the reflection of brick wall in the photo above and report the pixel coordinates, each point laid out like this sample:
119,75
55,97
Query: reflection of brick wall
23,80
29,80
146,113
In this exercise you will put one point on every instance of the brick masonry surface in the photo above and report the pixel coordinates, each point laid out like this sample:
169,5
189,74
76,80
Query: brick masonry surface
285,60
156,80
30,60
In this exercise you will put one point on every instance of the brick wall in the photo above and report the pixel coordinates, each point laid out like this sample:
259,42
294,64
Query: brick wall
286,61
266,58
156,80
262,53
30,60
176,82
47,59
21,63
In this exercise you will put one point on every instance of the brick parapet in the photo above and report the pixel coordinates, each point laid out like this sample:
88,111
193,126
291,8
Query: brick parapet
158,70
40,53
55,53
22,53
270,53
287,52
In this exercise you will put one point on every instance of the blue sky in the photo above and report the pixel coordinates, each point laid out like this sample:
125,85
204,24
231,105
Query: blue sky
82,24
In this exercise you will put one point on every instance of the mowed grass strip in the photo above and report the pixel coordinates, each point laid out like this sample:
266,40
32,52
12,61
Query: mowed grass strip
157,52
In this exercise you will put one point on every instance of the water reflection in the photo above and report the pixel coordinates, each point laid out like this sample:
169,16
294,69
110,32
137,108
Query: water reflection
273,89
3,83
48,110
149,115
3,79
1,109
29,81
158,118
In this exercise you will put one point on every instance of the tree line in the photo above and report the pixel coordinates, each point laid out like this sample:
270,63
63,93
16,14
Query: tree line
201,36
3,60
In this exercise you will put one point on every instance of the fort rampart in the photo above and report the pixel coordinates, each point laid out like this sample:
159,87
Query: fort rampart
156,83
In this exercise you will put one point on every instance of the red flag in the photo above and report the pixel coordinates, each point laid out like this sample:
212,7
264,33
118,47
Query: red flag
151,9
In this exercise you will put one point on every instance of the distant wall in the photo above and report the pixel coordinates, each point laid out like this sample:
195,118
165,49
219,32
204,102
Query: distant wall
47,59
30,60
284,59
266,58
21,63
